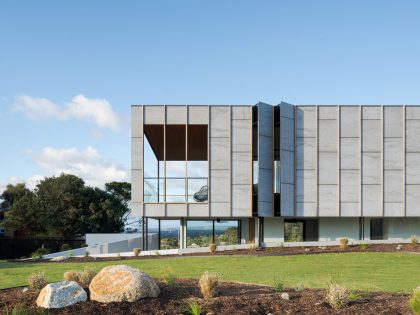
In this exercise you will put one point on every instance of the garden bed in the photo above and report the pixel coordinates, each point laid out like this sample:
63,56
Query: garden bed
268,251
233,298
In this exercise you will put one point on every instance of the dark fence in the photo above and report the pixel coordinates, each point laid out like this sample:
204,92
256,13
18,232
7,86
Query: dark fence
11,248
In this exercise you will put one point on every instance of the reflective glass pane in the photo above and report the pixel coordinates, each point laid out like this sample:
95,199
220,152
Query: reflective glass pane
175,190
197,190
175,169
169,234
151,190
197,168
276,176
199,233
226,232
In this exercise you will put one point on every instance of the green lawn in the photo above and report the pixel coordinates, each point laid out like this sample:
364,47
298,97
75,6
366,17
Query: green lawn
371,271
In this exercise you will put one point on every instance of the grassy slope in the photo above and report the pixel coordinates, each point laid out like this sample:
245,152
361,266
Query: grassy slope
370,271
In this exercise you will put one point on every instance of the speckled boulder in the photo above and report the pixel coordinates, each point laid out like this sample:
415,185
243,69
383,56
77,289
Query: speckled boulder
122,283
61,294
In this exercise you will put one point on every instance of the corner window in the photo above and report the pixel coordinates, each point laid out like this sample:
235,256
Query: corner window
175,163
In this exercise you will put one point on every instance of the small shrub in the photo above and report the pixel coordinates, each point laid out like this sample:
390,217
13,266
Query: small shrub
212,248
169,278
209,283
87,253
39,253
278,285
84,245
37,281
72,275
86,276
65,247
365,246
157,253
414,239
414,301
253,247
71,254
344,242
300,287
337,296
136,252
193,308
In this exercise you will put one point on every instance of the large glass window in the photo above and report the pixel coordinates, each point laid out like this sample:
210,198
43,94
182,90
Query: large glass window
169,234
199,233
175,163
226,232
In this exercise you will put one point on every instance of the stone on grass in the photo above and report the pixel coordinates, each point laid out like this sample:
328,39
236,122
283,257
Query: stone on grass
61,294
285,296
122,283
59,258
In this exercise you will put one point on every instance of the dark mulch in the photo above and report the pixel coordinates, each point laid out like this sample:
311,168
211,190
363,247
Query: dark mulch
270,251
234,298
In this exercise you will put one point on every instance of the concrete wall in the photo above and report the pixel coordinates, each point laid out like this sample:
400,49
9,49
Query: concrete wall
102,238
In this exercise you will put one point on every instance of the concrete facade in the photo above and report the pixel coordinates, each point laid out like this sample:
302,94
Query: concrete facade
341,165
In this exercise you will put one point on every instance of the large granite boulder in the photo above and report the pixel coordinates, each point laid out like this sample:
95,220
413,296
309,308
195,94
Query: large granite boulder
61,294
122,283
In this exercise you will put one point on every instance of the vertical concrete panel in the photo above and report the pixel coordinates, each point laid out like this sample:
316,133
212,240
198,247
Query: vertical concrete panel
198,115
265,160
137,159
393,121
154,114
220,161
287,158
412,200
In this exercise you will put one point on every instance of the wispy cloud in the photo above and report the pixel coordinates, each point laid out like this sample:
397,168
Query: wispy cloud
87,164
96,111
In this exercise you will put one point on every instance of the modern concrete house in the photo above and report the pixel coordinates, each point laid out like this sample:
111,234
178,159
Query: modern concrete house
271,174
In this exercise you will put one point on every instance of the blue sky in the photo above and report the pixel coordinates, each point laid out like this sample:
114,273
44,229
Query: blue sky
79,65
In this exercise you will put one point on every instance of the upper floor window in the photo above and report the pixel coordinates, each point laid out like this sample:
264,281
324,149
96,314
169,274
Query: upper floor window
177,163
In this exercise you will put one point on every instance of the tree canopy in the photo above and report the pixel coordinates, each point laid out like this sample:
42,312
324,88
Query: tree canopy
64,206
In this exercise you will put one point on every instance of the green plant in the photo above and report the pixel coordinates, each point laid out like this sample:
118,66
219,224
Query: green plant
337,296
414,302
193,308
84,245
414,239
344,241
354,296
16,309
365,246
209,283
278,285
136,252
169,278
70,254
39,253
65,247
37,281
213,248
157,253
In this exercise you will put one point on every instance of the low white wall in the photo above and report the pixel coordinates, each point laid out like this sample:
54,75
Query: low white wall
273,230
332,229
103,238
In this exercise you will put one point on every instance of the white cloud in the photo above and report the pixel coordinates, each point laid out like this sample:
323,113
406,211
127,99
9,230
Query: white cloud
86,164
97,111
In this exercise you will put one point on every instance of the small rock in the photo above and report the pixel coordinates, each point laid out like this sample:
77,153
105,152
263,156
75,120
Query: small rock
25,290
399,247
61,294
122,283
307,249
285,296
59,258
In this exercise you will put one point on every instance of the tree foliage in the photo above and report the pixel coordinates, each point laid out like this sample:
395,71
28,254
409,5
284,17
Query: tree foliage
64,206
